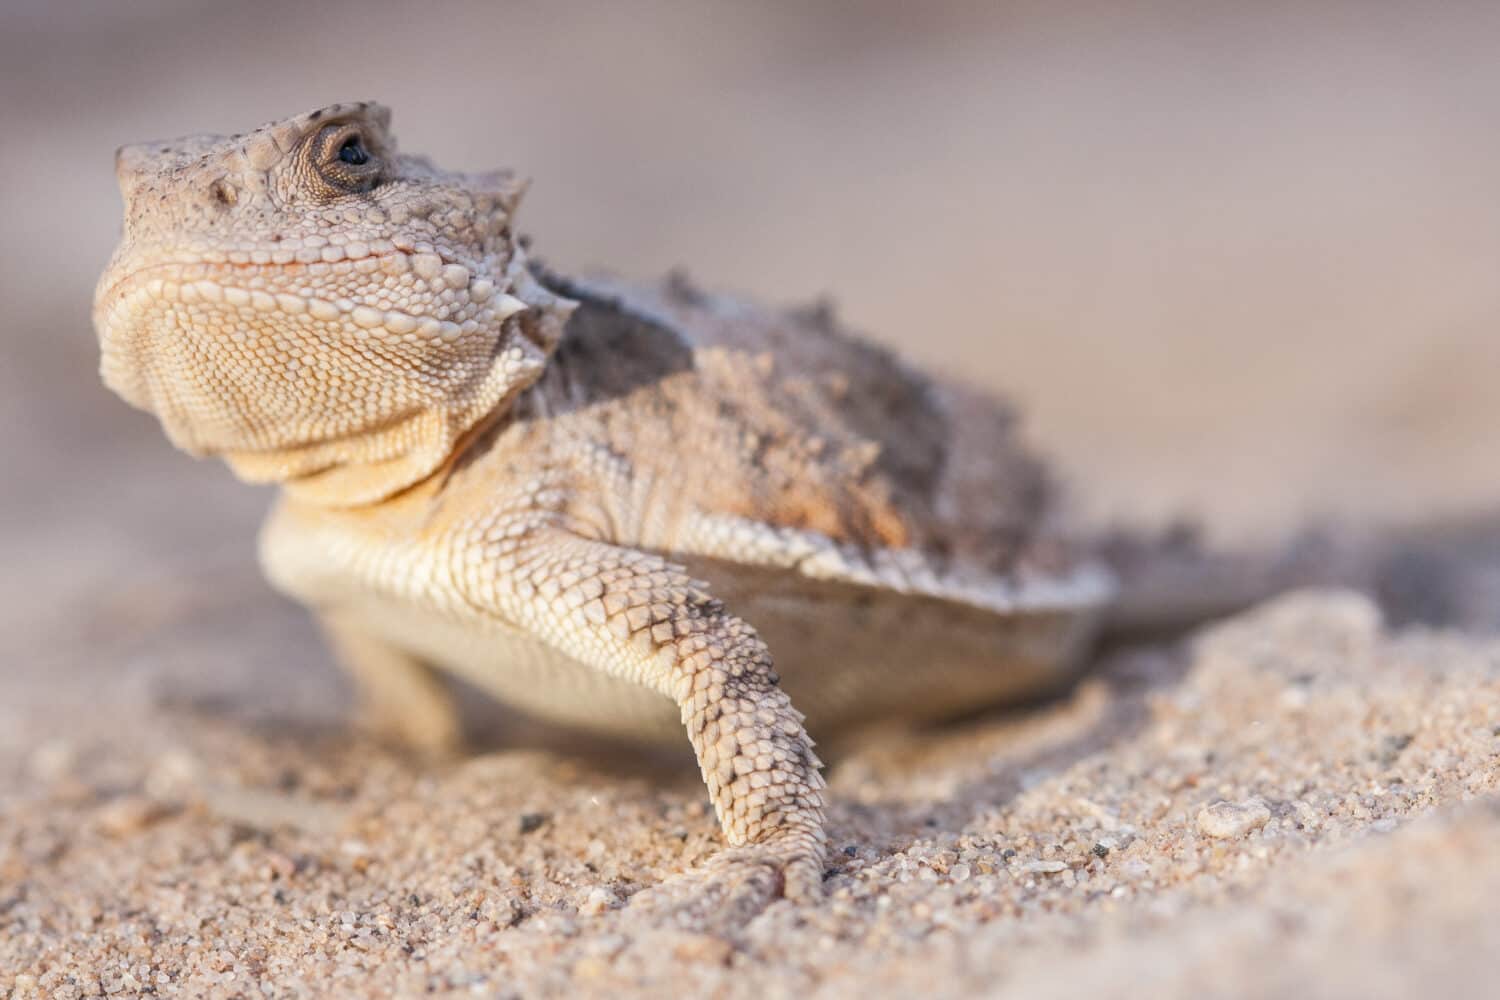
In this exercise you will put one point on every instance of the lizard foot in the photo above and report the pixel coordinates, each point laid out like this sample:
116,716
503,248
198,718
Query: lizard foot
735,886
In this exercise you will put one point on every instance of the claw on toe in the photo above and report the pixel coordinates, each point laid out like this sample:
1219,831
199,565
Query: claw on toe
731,889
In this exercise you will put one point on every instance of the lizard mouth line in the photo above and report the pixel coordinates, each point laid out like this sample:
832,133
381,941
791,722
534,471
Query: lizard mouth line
198,281
189,269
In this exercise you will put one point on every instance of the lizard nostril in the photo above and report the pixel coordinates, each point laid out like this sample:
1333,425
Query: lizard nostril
223,193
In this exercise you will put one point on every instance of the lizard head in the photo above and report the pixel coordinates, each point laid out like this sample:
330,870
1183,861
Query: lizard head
315,307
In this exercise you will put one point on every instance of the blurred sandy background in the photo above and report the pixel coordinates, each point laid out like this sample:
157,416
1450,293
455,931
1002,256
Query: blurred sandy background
1235,259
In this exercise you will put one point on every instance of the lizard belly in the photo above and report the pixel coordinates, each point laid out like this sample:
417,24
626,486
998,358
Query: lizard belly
847,655
524,672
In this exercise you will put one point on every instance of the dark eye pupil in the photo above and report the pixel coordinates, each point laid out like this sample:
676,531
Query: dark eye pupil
353,152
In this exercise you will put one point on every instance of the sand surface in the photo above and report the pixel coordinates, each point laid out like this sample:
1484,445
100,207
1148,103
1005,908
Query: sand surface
1299,802
1235,262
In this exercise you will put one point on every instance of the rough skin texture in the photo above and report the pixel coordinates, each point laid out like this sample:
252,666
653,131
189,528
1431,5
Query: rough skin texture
519,477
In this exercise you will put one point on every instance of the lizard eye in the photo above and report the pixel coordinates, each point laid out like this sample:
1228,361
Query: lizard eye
353,151
344,160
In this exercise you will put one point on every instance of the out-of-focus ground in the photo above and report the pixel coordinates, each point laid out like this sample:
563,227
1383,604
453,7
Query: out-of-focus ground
1234,261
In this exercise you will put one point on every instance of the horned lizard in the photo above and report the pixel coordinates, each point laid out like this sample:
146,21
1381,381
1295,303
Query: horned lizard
524,479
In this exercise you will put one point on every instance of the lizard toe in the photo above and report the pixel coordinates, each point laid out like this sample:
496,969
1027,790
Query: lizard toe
732,888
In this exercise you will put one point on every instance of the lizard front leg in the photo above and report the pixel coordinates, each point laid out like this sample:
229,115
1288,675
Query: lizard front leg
636,616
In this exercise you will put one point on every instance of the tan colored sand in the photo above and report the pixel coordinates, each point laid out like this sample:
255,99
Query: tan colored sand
1304,804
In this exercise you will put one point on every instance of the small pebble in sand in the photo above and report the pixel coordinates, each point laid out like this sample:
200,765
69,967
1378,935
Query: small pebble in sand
1227,820
599,900
129,814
